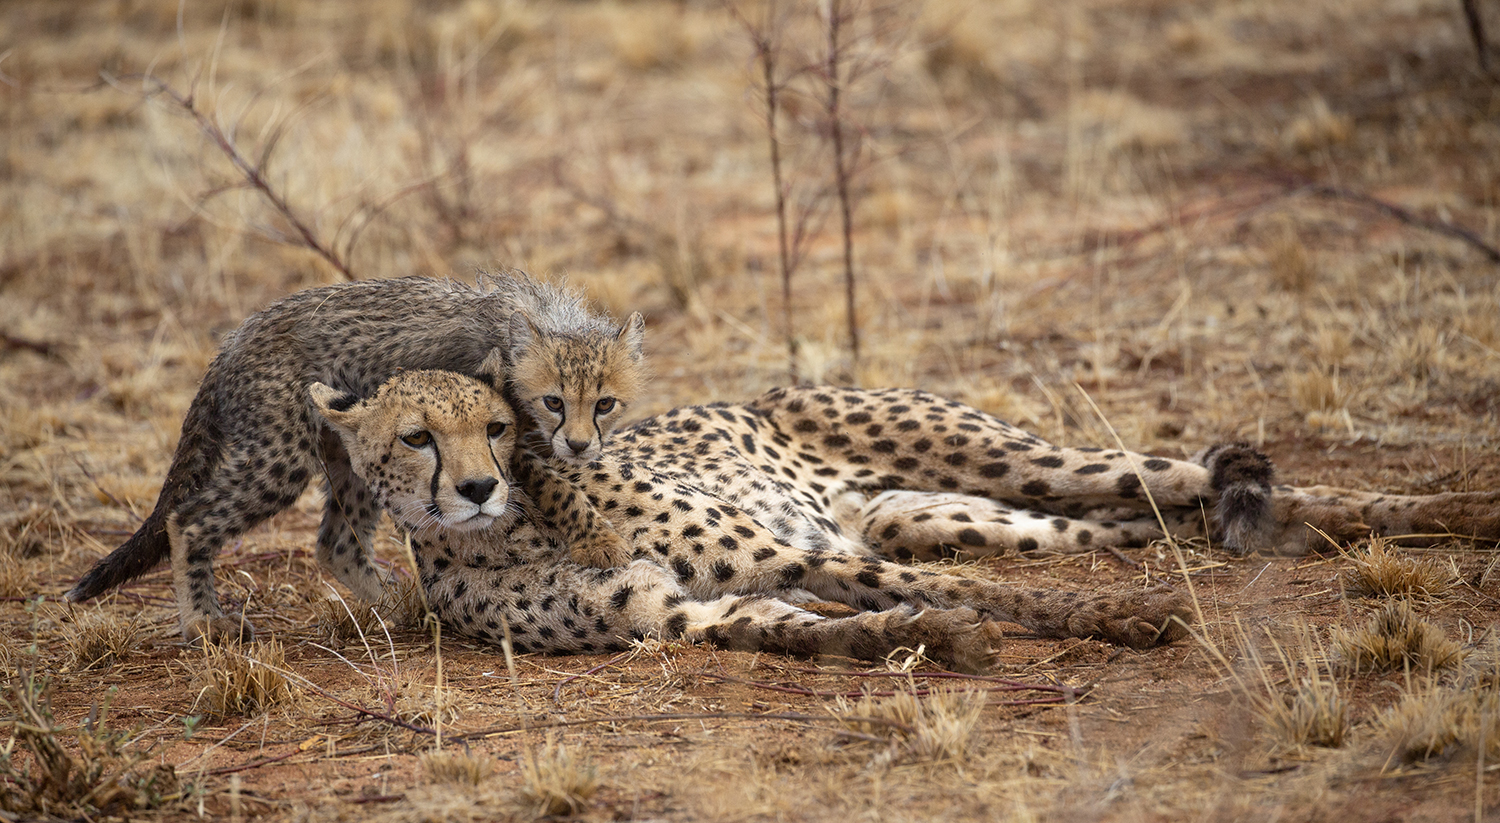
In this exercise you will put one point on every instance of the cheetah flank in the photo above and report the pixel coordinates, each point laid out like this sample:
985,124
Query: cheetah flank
908,475
250,442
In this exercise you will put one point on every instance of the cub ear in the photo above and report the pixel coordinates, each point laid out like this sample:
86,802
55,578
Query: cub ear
522,335
341,409
634,335
493,370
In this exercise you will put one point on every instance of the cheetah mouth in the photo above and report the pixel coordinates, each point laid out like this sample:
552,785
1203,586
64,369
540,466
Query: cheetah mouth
473,522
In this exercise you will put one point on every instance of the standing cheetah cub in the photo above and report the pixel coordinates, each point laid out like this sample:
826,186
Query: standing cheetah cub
704,568
251,442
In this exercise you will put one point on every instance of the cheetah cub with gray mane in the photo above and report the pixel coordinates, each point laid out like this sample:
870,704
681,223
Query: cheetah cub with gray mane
704,568
251,442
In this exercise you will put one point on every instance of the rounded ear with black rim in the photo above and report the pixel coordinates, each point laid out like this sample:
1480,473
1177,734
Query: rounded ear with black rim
522,335
634,335
493,370
341,409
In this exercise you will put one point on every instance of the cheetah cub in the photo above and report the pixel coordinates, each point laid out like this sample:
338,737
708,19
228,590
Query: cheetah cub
705,569
251,442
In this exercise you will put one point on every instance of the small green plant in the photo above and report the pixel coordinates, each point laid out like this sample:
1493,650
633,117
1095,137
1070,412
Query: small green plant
49,770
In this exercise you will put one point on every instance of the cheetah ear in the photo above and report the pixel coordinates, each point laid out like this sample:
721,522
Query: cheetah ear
634,335
523,335
493,370
342,410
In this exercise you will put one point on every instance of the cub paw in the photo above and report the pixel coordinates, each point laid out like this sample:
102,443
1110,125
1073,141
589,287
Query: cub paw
1140,620
602,550
218,630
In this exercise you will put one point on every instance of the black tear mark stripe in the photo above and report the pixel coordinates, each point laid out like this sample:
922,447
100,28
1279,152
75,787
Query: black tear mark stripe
437,471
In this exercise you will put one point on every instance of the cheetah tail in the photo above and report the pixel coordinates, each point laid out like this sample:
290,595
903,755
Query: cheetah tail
1241,478
133,558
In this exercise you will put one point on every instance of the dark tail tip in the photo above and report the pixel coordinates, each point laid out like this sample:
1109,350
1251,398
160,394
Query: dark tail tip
1241,479
133,558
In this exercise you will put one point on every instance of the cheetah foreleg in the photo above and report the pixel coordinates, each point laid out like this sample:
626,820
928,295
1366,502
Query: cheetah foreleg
591,540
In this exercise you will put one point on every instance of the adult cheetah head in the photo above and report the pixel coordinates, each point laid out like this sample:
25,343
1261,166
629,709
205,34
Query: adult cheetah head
433,446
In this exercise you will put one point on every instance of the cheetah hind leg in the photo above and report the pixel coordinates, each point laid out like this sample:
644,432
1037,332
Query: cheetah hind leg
913,525
199,615
952,637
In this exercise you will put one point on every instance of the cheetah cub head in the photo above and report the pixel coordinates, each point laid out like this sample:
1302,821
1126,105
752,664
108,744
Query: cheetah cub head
576,386
433,446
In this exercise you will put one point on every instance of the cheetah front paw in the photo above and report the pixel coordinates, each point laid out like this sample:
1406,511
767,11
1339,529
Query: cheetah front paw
604,549
220,630
1140,619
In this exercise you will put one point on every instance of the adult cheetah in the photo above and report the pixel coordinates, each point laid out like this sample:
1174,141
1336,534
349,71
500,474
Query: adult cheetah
733,509
705,567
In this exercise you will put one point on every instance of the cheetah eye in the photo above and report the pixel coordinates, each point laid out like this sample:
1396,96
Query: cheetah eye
605,405
495,429
417,439
553,403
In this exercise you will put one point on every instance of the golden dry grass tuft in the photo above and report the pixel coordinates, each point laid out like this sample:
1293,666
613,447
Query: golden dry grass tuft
242,679
341,621
1384,571
556,781
1442,723
1292,690
935,728
1395,638
98,639
458,767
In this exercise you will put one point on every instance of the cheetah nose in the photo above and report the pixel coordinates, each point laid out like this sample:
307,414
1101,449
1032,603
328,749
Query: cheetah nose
478,491
578,446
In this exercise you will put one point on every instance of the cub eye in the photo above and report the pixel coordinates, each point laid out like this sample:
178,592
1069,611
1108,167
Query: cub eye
417,439
553,403
605,405
495,429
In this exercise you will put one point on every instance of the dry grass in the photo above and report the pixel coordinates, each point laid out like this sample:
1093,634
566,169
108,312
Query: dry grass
51,771
458,767
97,639
1292,690
234,679
1384,571
557,782
341,621
1438,723
937,728
1396,639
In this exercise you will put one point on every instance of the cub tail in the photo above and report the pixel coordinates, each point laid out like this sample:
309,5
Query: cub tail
133,558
